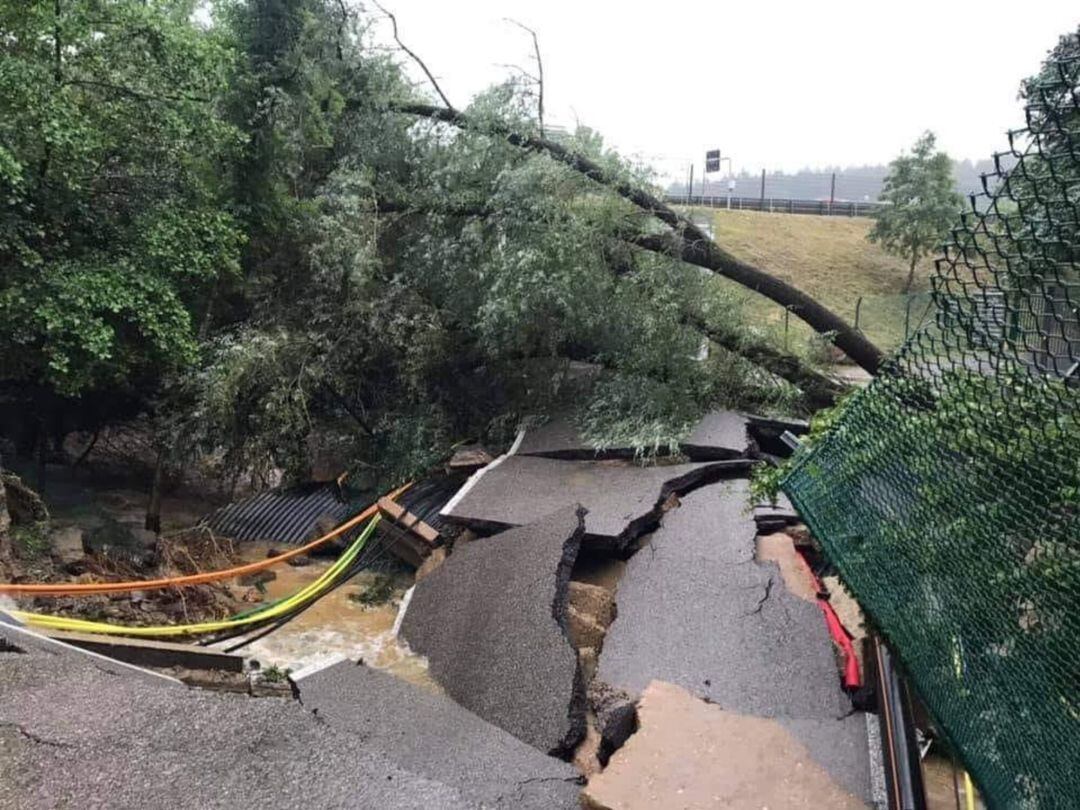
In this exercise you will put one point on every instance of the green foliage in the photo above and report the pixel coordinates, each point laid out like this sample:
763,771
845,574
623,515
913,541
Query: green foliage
30,541
921,204
275,674
225,223
111,231
377,591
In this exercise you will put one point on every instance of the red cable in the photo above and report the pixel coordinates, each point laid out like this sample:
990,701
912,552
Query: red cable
852,676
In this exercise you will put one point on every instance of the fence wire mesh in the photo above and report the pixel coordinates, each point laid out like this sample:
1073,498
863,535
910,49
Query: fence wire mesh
947,493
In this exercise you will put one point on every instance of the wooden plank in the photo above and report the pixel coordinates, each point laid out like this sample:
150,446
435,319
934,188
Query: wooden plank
407,520
149,653
404,544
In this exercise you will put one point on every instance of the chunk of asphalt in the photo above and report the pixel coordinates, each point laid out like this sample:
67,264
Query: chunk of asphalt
672,761
718,435
73,735
616,717
558,438
492,622
623,500
433,737
773,517
696,610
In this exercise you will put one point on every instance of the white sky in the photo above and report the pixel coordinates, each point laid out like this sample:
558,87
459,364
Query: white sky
773,84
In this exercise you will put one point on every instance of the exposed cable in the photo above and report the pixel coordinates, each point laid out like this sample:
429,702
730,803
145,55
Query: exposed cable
307,593
82,588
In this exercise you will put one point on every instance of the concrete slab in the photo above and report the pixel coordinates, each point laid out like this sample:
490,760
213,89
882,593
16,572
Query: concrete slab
434,737
492,622
55,652
688,754
151,652
696,609
623,500
718,435
559,438
72,735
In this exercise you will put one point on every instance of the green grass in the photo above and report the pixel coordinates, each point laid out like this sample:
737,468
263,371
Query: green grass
831,259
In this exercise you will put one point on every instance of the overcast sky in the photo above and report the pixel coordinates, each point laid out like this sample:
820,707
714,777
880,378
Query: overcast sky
776,85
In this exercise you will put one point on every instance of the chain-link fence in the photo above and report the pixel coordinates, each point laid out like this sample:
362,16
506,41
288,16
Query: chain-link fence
889,320
948,491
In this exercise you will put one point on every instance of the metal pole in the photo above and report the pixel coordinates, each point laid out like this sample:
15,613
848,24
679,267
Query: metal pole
903,766
832,192
690,191
762,189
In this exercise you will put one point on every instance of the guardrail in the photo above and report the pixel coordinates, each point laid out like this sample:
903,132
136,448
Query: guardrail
775,205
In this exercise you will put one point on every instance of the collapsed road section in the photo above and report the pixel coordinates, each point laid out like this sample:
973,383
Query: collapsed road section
642,629
492,622
624,500
75,731
730,621
697,609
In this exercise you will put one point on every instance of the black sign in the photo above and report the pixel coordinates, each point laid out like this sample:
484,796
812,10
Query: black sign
712,160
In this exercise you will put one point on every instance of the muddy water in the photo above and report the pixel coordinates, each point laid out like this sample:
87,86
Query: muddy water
335,625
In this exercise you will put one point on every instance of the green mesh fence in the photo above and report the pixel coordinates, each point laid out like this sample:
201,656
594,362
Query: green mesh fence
947,491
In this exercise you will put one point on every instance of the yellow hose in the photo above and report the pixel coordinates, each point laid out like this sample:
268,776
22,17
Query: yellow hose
969,791
310,591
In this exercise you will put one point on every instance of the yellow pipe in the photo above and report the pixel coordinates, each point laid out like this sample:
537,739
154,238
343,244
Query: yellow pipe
310,591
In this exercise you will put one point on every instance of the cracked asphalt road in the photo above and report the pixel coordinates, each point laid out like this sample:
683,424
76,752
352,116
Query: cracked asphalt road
695,609
75,735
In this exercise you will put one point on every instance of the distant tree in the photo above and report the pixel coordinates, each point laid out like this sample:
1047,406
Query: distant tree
921,201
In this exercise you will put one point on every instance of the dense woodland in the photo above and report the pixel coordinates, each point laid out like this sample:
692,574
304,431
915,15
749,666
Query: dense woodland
245,223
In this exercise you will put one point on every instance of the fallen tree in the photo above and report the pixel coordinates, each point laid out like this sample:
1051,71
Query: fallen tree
686,240
819,389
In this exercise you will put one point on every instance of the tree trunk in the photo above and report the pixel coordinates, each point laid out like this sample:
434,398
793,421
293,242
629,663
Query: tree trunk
911,272
5,525
820,391
42,450
688,241
153,511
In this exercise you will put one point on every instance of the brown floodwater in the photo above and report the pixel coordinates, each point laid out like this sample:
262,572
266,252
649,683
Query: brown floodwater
336,625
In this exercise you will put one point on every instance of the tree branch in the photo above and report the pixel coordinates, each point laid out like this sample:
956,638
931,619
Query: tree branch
539,78
415,58
819,389
349,409
688,242
127,91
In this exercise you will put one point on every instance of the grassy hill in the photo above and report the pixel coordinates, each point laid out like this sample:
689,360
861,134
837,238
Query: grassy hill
831,259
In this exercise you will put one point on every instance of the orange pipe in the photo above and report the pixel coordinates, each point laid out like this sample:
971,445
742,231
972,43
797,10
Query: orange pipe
83,588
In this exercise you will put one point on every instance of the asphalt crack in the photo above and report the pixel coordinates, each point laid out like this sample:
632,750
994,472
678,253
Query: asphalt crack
761,602
35,738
